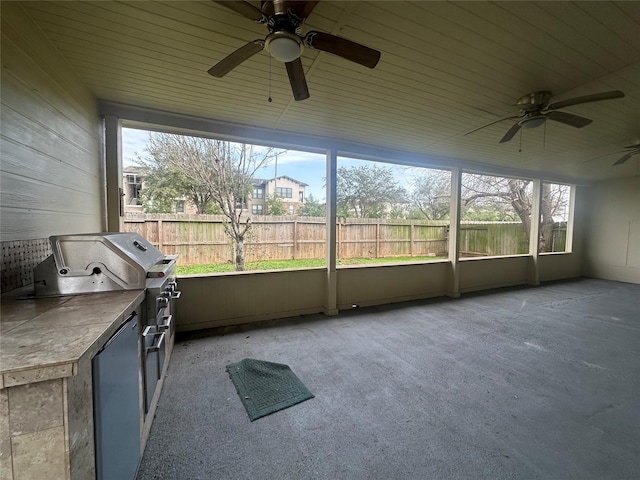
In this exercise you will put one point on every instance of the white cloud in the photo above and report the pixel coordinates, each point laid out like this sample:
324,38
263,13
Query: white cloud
291,156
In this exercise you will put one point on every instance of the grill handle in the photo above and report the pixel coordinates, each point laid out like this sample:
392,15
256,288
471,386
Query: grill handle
139,246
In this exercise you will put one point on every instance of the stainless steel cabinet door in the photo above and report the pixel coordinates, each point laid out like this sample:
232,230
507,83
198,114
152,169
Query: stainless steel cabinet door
116,405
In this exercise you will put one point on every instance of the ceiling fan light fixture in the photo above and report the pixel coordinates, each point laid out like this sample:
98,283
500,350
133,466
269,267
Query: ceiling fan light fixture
533,122
284,46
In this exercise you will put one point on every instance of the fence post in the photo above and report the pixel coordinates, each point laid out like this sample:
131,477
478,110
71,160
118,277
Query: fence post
411,234
295,238
160,235
147,230
377,238
338,237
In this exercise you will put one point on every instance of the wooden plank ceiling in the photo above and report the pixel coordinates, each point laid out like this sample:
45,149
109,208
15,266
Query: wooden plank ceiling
446,68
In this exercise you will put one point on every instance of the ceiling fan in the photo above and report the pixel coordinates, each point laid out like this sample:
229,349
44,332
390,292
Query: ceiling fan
629,152
284,43
535,110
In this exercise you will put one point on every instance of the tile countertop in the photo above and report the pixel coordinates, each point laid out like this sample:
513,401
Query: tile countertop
44,338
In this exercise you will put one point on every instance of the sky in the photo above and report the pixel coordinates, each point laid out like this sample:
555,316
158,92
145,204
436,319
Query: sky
306,167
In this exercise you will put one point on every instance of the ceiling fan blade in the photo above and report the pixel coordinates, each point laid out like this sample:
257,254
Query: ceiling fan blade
633,147
234,59
343,48
243,8
569,119
624,158
302,9
596,97
510,133
492,123
297,80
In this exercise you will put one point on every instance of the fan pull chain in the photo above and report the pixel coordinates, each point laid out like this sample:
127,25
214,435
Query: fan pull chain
520,147
544,136
270,99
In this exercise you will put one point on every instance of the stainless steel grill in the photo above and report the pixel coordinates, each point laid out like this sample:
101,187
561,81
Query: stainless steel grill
102,262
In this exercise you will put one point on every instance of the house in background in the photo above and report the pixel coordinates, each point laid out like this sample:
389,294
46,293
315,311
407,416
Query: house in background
289,190
131,187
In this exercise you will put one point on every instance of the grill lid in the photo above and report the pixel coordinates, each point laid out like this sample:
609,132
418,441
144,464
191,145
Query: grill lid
94,262
76,252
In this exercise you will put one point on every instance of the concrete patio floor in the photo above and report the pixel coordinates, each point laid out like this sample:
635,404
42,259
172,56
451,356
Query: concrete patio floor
523,383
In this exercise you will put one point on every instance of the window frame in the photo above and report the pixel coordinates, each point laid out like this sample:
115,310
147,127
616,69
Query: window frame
331,155
288,192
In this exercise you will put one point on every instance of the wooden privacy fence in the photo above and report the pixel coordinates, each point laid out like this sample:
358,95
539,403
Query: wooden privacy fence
493,238
201,239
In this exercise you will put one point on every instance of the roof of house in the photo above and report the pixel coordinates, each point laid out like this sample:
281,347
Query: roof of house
132,169
263,181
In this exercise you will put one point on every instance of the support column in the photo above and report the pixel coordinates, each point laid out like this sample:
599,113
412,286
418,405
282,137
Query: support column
534,232
330,307
571,219
113,161
454,232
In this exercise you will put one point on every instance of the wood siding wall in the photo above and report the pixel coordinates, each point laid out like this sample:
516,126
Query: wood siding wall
612,230
51,169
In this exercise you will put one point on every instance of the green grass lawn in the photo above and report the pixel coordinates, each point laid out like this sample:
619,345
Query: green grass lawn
303,263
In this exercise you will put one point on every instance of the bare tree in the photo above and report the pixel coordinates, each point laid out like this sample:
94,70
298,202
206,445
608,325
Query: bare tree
430,192
509,199
226,171
553,208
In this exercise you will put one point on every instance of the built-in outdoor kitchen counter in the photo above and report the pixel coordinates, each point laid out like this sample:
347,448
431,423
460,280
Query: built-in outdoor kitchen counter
83,355
46,395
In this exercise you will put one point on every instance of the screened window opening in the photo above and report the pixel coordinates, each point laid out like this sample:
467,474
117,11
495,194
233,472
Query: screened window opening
495,215
227,206
250,207
555,206
391,213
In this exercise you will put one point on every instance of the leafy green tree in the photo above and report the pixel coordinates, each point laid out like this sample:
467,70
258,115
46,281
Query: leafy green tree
222,171
275,205
160,190
367,191
164,181
311,208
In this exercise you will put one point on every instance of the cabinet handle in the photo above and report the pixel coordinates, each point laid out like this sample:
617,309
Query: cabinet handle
147,331
157,346
166,325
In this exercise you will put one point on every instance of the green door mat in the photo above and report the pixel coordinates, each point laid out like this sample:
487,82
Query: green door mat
266,387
